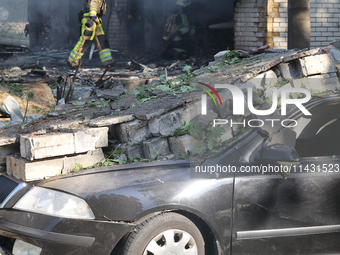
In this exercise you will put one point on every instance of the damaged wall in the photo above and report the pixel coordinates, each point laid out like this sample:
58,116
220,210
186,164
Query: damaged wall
48,23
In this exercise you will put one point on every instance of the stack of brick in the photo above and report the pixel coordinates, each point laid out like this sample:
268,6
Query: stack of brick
48,155
277,24
250,24
324,18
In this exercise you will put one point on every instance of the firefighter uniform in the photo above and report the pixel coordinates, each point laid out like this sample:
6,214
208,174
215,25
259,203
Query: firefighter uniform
92,32
178,33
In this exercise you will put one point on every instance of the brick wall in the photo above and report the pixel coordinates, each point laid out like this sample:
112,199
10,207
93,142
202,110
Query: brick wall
277,24
117,33
251,30
325,18
250,24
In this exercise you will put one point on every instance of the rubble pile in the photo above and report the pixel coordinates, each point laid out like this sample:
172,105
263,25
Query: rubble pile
142,109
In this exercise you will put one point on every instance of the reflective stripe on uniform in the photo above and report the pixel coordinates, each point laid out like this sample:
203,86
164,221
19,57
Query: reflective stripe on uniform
105,55
177,38
101,29
184,30
94,31
179,50
106,58
72,55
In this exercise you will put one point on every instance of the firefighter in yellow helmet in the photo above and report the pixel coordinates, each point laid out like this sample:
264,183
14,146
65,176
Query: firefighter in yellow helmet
178,33
92,32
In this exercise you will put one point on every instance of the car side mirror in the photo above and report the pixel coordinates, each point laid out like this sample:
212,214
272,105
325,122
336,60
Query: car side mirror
278,154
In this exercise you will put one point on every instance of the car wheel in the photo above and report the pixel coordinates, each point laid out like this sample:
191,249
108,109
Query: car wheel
165,234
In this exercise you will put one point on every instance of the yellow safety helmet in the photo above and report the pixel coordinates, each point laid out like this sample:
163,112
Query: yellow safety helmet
183,2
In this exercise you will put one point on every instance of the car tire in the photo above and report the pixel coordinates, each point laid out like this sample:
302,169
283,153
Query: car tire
166,233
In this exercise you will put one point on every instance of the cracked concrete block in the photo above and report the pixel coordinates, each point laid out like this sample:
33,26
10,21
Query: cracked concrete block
165,124
133,151
52,145
319,64
26,170
180,145
156,146
8,149
45,146
291,70
112,120
90,139
133,132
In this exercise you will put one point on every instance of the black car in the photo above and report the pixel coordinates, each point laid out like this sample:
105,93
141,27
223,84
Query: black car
256,206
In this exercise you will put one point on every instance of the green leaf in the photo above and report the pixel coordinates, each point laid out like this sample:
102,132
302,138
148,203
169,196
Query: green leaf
211,144
119,161
213,68
187,68
200,148
79,103
162,87
199,130
217,132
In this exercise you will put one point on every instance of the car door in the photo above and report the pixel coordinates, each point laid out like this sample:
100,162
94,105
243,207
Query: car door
299,213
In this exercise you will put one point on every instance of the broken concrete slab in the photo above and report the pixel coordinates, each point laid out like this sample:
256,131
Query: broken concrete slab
133,132
180,145
90,139
26,170
111,120
133,151
319,64
51,145
291,70
156,146
110,94
157,107
165,124
45,146
124,103
8,149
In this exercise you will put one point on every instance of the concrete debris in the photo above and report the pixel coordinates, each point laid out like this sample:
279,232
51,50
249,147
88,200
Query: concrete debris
51,145
144,111
26,170
133,132
181,145
155,147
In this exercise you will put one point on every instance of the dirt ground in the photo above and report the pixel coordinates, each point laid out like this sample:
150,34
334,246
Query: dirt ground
42,101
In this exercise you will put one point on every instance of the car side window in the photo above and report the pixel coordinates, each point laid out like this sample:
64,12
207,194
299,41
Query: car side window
319,134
